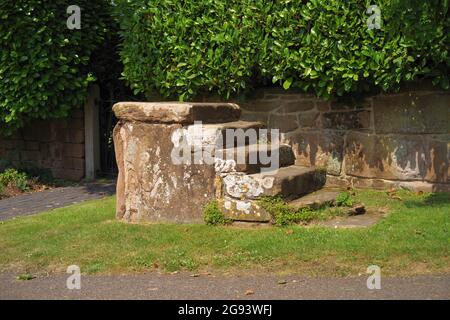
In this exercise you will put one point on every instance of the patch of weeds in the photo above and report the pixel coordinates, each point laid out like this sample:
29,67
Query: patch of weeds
25,277
213,216
179,260
188,263
283,214
15,179
344,200
144,262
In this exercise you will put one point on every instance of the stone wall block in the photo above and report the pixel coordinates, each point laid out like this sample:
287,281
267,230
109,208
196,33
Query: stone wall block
68,174
351,103
412,113
322,106
297,105
265,105
399,157
318,148
76,123
284,122
309,119
14,145
255,116
32,145
72,150
346,120
56,145
73,136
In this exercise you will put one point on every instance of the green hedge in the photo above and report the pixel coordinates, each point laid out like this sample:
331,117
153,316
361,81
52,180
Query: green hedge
184,48
45,67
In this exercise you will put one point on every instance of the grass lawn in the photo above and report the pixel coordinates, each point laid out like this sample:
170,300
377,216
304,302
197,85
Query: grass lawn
413,239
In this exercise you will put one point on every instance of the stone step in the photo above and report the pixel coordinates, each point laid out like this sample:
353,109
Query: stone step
288,182
236,133
316,199
248,158
243,210
223,135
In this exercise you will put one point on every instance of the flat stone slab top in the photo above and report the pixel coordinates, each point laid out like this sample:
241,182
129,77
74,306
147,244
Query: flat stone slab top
251,159
291,181
177,112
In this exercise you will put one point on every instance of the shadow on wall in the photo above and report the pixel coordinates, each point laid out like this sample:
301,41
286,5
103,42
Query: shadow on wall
399,157
320,149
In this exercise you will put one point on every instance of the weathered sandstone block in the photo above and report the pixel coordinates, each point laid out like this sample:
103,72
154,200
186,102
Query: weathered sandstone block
286,182
399,157
412,113
177,112
284,122
318,148
150,187
346,120
243,210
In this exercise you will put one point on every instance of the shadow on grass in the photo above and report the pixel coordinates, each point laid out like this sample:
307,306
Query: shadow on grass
430,200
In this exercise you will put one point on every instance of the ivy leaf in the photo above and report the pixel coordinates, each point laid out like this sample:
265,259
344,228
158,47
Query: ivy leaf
287,83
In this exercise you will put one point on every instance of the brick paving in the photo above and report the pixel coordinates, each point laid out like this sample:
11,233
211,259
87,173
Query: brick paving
32,203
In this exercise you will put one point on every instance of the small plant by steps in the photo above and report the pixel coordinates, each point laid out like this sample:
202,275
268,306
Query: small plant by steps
13,179
284,214
344,200
213,216
16,181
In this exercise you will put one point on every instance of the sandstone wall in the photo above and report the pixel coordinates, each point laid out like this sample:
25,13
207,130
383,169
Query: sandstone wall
375,141
55,145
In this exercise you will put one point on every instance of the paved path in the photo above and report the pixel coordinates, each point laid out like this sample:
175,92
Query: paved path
184,286
31,203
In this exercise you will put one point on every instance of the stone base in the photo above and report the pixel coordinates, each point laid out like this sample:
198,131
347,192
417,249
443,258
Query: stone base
243,210
150,187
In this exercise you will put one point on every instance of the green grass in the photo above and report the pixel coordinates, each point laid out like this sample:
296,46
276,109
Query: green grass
413,239
284,215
